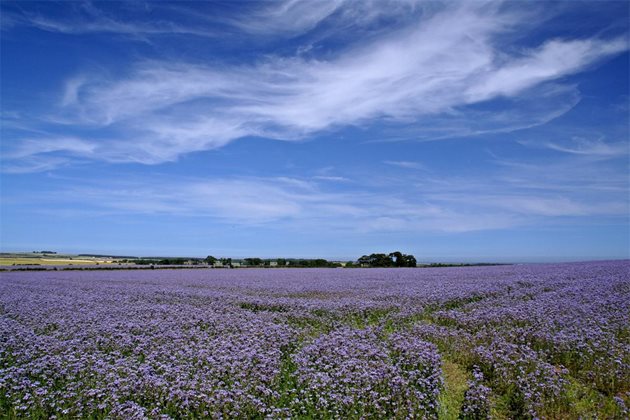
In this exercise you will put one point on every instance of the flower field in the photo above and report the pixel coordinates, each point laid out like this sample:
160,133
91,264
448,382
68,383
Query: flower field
523,341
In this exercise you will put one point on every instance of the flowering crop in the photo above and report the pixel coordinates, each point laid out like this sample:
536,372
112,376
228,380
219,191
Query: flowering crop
532,340
476,405
358,372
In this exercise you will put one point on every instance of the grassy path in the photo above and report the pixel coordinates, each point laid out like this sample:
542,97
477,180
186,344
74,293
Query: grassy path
455,385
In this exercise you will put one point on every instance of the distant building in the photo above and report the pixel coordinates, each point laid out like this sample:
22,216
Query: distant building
273,263
236,264
217,264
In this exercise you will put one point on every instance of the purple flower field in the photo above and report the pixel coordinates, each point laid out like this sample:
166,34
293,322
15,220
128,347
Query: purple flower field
524,341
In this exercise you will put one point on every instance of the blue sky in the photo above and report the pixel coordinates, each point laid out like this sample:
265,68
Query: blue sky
453,131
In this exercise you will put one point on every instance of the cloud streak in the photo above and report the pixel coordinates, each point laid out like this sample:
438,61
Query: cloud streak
267,19
445,65
404,164
593,148
85,18
448,204
298,205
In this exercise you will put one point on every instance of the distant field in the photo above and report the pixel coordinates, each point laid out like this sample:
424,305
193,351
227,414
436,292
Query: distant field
25,259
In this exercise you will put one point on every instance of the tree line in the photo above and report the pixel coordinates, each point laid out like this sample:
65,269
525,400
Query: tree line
393,259
276,262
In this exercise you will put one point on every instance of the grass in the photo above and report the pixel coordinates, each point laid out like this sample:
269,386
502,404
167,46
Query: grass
455,385
587,403
286,381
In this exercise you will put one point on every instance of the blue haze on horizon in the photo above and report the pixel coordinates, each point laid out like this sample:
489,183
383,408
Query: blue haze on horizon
459,131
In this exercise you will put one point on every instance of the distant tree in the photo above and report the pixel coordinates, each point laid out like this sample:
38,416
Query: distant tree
410,261
281,262
376,260
364,259
398,259
210,260
172,261
394,259
253,261
381,260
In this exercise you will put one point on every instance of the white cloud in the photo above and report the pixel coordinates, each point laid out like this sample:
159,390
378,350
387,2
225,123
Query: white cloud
87,18
268,19
552,60
324,18
291,204
40,146
289,16
429,204
71,90
331,178
594,148
404,164
237,200
544,204
440,67
32,164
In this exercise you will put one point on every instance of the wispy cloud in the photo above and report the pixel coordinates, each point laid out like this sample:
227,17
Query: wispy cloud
266,19
404,164
447,65
38,146
32,164
553,59
86,17
595,148
298,17
42,154
331,178
290,203
517,196
290,16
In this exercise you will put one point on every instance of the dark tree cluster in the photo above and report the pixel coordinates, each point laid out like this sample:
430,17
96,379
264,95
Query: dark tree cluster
289,262
394,259
253,261
210,260
319,262
164,261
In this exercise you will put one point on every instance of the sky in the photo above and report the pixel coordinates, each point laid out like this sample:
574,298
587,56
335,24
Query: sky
453,131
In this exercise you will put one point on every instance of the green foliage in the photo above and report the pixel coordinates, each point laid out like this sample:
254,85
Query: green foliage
394,259
253,261
455,385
